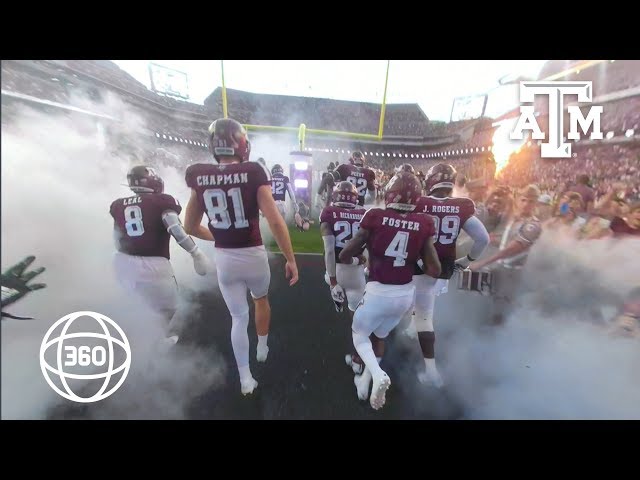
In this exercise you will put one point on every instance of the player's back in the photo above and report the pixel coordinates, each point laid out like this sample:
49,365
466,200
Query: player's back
138,223
449,215
362,177
395,243
279,185
228,194
344,223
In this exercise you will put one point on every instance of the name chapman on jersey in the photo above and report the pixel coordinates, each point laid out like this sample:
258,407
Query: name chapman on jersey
397,223
442,209
230,179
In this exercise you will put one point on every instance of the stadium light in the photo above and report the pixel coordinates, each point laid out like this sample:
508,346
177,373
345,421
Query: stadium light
157,135
629,133
483,149
301,166
388,154
609,135
406,155
164,136
301,183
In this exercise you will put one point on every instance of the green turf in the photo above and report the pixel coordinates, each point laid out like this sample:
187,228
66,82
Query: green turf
303,242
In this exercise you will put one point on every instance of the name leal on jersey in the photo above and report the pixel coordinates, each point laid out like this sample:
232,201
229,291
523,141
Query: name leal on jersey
131,201
230,179
397,223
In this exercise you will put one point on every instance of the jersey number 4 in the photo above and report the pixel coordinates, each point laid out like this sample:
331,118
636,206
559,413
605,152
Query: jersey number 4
218,213
398,249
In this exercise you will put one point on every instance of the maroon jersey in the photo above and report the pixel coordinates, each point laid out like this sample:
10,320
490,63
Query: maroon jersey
228,193
138,223
450,214
395,243
344,223
279,185
620,228
361,177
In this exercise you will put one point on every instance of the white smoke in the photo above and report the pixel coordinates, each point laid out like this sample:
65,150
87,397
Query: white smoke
554,358
57,185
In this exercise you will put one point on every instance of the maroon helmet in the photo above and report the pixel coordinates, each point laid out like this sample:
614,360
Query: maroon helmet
228,137
143,179
345,195
440,175
406,167
403,191
357,159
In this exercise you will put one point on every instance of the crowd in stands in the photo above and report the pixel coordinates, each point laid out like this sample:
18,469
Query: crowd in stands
319,113
607,77
177,123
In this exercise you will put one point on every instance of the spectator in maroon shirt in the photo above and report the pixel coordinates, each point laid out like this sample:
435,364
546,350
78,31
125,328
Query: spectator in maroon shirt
586,192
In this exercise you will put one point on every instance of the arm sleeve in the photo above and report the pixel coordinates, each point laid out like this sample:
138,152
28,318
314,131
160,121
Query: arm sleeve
330,254
292,195
175,228
478,233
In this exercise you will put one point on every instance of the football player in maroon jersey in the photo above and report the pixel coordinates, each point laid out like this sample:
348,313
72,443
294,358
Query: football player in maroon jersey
450,214
143,224
362,177
232,192
338,223
396,238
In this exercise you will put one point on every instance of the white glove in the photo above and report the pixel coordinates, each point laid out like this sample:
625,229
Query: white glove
337,294
462,263
200,262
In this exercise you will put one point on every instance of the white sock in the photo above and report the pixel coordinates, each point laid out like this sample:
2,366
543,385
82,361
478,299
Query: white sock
364,348
430,363
245,373
262,341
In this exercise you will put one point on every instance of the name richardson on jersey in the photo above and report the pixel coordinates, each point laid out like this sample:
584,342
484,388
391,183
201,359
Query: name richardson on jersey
216,180
397,223
442,209
131,201
348,216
